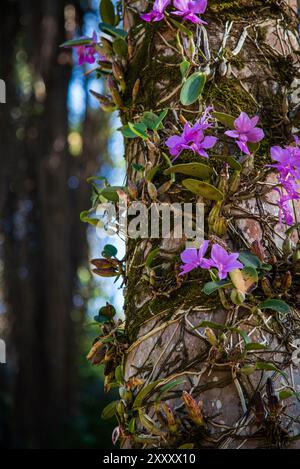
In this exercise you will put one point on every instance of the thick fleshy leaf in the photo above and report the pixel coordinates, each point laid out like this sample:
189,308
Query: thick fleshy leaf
109,411
151,256
111,193
226,119
127,132
120,47
198,170
269,367
233,163
144,392
139,129
279,306
107,12
181,27
76,43
184,68
254,346
109,250
204,189
192,88
249,260
112,31
212,287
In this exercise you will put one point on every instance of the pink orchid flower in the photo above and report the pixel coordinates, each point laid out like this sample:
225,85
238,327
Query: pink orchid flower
224,262
193,258
189,9
246,131
157,12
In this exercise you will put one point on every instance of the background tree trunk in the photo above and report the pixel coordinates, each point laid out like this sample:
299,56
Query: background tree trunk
44,241
261,78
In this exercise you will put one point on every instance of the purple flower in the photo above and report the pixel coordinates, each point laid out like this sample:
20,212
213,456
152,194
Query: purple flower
87,52
193,258
203,143
193,138
285,209
157,13
189,9
223,261
288,167
246,131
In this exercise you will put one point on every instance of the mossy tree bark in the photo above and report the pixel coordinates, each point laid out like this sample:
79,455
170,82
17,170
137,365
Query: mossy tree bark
249,53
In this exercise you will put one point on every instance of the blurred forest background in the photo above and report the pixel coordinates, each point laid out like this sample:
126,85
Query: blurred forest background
53,137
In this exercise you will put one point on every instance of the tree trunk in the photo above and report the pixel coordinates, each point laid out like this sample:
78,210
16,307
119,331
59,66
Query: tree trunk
250,59
44,240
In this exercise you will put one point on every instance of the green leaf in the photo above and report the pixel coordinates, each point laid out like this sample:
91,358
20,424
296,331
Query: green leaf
212,325
226,119
198,170
253,147
268,367
120,47
233,163
181,27
212,287
76,42
131,425
110,250
119,373
109,411
254,346
112,31
127,132
139,129
153,121
167,387
138,167
249,260
107,12
158,123
250,276
243,334
149,119
204,189
151,256
192,88
144,392
97,178
184,68
85,218
279,306
151,173
111,193
248,370
287,393
186,446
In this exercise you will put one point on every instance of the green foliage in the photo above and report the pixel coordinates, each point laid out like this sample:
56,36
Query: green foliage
192,88
107,12
204,189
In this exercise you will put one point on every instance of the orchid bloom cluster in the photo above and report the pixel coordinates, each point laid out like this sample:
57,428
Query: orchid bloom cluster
87,53
193,137
219,258
187,9
246,132
288,166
